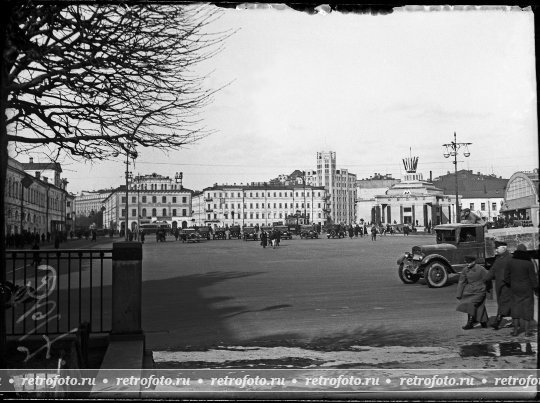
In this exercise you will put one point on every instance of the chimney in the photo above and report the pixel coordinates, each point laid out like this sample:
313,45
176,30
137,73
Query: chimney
46,179
37,174
431,176
31,160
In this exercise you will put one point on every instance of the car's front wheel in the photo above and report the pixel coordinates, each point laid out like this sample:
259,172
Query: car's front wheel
436,274
406,276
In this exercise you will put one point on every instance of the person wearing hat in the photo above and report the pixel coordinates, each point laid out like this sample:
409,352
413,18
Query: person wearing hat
504,296
523,282
471,293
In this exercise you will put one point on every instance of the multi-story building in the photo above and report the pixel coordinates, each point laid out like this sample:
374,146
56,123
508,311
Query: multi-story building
34,203
149,198
258,204
90,202
483,194
340,184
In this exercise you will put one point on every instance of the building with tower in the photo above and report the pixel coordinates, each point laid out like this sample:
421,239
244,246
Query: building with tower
340,185
412,200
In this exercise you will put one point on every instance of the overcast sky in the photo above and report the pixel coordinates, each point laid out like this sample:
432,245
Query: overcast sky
367,87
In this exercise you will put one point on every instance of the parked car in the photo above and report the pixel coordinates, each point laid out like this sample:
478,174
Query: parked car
190,235
307,231
219,233
335,231
235,232
205,232
250,234
284,231
455,241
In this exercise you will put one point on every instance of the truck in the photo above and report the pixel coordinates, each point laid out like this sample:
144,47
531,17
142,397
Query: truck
436,262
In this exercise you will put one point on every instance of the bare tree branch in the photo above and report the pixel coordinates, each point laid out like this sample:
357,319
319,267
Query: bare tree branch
89,79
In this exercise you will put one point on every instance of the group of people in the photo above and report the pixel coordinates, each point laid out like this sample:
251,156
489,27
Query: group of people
516,283
272,236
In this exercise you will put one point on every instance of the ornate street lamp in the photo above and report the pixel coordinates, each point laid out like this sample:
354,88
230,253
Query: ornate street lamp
452,149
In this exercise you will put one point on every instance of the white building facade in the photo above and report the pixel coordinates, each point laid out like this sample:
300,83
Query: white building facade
149,198
261,204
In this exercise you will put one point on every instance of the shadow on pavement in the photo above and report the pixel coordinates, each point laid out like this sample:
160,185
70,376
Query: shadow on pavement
176,315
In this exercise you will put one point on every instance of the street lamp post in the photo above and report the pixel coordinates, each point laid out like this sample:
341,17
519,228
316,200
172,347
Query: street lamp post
304,182
129,176
452,149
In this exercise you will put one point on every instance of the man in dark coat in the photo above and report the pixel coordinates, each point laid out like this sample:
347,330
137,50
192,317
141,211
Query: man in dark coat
264,239
496,273
471,293
523,282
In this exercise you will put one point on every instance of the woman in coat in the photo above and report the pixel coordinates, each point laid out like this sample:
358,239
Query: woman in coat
471,292
521,278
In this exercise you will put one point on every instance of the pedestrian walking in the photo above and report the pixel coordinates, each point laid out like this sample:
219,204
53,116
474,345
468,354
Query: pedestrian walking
497,272
264,239
36,259
373,233
94,235
278,237
522,279
272,238
351,231
471,293
56,241
142,236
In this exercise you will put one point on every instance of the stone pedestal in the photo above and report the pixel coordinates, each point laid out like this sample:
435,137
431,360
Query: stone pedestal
126,289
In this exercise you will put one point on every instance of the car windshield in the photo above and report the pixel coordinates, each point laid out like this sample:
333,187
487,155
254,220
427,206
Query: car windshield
448,235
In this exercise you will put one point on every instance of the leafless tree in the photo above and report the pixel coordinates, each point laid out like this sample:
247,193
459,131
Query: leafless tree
93,80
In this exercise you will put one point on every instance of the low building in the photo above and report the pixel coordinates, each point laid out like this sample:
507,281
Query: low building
367,190
413,201
521,199
483,194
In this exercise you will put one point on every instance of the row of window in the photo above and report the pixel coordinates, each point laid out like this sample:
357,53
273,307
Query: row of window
483,206
28,217
154,199
155,186
281,205
268,194
252,216
154,212
32,195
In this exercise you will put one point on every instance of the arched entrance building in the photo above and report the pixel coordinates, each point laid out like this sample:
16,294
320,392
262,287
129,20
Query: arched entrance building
521,199
414,201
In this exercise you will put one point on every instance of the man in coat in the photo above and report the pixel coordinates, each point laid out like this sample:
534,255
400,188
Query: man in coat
471,293
523,281
502,289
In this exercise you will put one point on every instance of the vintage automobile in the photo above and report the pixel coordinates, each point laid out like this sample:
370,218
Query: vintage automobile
250,234
190,235
219,233
284,231
205,232
307,231
436,262
235,232
335,231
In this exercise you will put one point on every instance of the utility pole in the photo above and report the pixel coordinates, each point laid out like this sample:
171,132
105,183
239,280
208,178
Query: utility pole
452,149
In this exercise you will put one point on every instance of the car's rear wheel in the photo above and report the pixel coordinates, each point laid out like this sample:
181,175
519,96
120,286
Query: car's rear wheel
406,276
436,274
